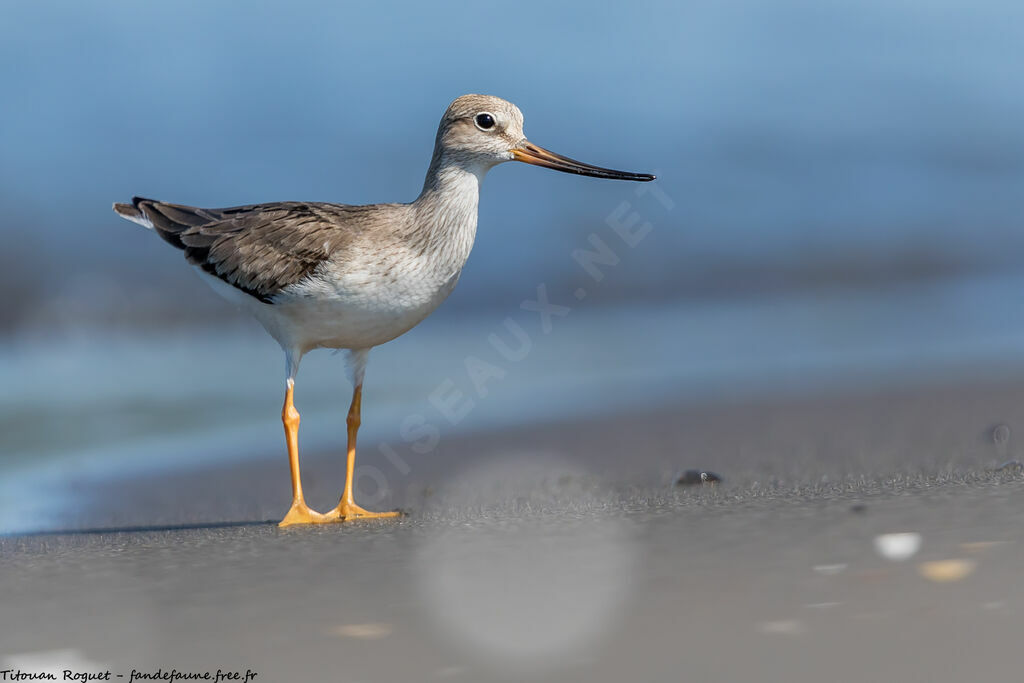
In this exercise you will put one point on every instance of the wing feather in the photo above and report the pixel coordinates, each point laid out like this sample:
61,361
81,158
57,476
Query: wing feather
262,248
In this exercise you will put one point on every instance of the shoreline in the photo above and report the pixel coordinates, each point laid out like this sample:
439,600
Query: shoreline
849,439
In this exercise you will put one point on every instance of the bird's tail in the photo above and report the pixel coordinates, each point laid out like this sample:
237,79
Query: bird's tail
167,220
134,212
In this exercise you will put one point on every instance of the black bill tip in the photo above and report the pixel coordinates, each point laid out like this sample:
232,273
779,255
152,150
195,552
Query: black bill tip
538,156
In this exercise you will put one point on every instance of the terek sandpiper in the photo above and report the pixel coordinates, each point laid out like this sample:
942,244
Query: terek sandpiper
353,277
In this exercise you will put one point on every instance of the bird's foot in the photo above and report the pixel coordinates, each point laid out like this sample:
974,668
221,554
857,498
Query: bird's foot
347,512
300,513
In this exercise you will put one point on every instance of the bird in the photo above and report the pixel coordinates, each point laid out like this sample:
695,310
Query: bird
352,277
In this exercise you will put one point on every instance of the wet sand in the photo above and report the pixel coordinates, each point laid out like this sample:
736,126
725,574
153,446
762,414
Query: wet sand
564,552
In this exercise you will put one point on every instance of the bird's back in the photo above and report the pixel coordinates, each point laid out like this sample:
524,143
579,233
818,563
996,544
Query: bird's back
315,274
263,249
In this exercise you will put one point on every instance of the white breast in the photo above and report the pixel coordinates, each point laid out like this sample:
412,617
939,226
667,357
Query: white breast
354,308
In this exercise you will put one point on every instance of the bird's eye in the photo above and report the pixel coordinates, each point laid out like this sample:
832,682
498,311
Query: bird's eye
484,121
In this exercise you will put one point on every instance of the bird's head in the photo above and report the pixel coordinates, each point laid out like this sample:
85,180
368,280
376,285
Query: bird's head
481,131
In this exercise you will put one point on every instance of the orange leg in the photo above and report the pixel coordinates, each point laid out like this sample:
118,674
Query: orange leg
299,512
347,508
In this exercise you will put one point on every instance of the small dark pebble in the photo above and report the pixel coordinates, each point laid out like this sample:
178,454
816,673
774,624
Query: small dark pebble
858,508
698,478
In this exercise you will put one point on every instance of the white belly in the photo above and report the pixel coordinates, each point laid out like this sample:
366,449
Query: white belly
358,311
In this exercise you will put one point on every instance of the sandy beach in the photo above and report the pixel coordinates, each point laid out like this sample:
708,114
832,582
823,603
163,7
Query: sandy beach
564,552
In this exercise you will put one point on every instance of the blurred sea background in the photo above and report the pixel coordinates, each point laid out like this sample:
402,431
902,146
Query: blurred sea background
839,203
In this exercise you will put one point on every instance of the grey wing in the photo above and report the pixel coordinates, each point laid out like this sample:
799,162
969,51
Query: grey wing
259,249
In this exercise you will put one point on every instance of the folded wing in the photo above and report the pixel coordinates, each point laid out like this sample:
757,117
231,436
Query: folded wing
260,249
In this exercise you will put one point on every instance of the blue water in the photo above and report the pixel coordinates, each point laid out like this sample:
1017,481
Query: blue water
792,132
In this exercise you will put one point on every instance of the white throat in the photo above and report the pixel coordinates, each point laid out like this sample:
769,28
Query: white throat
446,211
